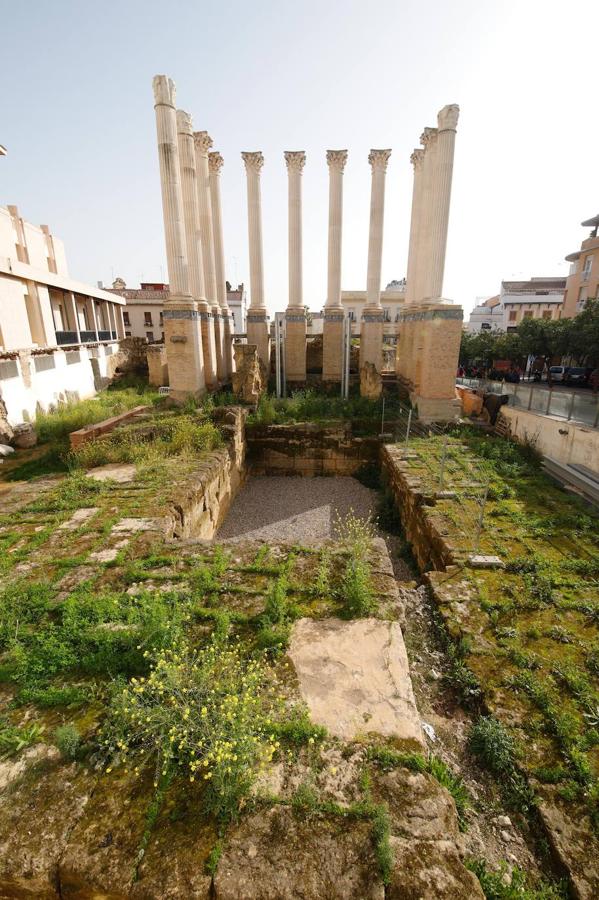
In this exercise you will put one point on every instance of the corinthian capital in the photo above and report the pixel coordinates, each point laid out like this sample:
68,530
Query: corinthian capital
337,159
378,159
447,118
253,161
165,92
428,137
215,162
417,158
295,159
184,123
202,141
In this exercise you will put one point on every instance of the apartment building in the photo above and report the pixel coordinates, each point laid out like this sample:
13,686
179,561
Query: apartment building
583,279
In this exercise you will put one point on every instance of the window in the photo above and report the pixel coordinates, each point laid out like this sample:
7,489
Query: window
150,336
126,318
127,334
513,315
162,337
161,317
148,318
547,314
586,269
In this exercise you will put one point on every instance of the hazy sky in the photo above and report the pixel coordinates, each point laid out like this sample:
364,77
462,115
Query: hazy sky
78,121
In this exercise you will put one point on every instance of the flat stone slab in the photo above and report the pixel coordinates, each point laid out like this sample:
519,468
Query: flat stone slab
121,472
132,526
480,561
355,678
275,855
79,518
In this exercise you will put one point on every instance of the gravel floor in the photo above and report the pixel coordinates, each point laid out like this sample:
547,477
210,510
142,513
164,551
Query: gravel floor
289,508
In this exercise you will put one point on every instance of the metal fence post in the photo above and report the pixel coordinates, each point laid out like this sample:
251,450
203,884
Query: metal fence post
571,407
530,396
548,407
443,459
408,427
479,525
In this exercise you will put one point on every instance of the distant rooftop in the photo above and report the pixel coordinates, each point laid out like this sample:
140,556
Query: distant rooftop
533,285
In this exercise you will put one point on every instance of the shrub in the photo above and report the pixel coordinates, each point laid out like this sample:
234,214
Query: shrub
203,713
490,741
518,887
68,740
356,591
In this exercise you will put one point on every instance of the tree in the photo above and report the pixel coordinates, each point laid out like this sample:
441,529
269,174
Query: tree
583,334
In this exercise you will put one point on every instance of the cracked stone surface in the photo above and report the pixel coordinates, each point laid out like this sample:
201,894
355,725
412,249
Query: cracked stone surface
79,517
113,472
354,677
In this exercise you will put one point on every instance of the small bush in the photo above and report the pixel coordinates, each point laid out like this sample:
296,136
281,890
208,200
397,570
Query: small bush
519,886
203,713
496,748
356,591
68,740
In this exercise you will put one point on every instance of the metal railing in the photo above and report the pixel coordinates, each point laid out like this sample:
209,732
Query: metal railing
66,337
575,406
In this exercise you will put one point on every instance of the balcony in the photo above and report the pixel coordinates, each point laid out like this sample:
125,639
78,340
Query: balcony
88,336
105,335
66,337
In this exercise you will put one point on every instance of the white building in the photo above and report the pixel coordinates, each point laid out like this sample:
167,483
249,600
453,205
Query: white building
392,301
486,316
58,336
144,307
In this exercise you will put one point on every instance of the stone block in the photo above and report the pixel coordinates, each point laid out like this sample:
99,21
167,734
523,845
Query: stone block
157,365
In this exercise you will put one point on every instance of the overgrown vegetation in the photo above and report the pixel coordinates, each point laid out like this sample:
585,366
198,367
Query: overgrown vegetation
311,406
513,883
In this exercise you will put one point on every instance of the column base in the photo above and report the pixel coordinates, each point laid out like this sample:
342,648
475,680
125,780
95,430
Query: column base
371,353
332,345
258,333
437,332
184,351
295,345
209,348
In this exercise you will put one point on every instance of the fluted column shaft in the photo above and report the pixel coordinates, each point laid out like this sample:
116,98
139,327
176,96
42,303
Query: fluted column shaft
336,160
428,140
215,164
191,215
295,163
416,159
378,160
203,143
447,121
253,165
172,201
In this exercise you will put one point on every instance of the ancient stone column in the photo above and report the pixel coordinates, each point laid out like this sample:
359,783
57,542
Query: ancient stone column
187,171
295,316
403,360
215,164
447,121
210,312
180,313
332,346
371,333
428,140
257,317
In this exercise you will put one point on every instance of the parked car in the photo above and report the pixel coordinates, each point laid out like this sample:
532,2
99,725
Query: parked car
558,373
575,375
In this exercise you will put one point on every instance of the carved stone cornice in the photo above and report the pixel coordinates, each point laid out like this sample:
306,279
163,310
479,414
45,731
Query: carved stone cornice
184,123
417,158
337,159
253,161
165,92
203,141
428,137
447,118
295,159
215,162
378,159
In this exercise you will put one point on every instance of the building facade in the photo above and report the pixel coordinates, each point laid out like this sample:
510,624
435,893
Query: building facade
144,307
392,301
538,298
59,338
40,305
583,280
486,316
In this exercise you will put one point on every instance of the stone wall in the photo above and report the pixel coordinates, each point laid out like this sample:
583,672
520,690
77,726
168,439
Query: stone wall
431,548
205,499
308,449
